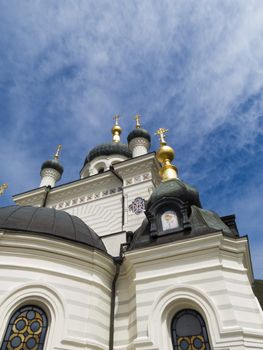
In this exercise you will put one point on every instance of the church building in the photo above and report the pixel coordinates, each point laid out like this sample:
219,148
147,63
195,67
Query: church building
124,258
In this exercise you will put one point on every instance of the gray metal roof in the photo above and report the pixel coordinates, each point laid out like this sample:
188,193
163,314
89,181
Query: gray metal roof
202,222
53,164
175,188
139,132
108,149
50,222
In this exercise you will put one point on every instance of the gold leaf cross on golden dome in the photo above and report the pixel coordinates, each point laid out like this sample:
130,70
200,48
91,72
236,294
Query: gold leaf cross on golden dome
138,120
3,187
161,132
56,156
116,118
116,129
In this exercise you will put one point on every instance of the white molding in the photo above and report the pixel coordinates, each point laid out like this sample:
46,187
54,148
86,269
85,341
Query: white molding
53,248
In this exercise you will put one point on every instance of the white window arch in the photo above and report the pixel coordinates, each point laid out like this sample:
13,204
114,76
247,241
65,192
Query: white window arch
26,329
189,331
41,296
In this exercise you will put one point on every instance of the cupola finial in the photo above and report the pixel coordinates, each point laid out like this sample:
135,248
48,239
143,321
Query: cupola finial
3,187
116,130
165,155
56,156
138,120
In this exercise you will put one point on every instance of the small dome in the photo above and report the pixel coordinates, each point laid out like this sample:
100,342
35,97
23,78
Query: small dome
177,189
139,132
53,164
50,222
108,149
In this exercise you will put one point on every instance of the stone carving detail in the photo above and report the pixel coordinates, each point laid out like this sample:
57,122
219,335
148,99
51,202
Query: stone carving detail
87,198
137,206
128,181
138,178
50,173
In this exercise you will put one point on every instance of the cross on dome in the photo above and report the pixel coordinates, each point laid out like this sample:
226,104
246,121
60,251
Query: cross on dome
116,118
57,154
138,120
3,187
161,133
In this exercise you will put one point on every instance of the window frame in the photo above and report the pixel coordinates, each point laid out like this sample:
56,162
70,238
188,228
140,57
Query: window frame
16,313
201,320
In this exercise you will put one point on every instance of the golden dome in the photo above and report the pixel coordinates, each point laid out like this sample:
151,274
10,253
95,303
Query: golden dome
116,130
165,155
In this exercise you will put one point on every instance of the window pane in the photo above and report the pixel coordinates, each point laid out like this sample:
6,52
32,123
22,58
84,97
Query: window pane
26,329
189,331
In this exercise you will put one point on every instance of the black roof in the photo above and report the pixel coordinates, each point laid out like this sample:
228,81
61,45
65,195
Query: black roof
139,132
53,164
202,222
177,189
107,149
49,221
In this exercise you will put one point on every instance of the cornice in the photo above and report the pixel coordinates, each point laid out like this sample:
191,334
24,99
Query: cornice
77,187
56,250
217,245
135,170
138,164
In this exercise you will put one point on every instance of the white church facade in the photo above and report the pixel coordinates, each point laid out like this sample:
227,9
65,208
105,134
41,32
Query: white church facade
123,258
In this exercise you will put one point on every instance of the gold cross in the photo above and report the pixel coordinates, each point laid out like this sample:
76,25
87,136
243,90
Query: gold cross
56,156
161,132
138,119
116,118
3,187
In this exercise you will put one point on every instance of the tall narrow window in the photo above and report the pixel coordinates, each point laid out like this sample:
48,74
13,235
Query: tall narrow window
189,331
26,330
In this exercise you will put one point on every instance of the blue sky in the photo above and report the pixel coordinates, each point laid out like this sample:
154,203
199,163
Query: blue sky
194,67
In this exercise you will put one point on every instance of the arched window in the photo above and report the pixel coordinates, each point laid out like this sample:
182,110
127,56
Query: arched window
27,329
189,331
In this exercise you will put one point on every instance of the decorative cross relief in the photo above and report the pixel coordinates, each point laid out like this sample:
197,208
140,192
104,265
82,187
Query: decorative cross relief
137,206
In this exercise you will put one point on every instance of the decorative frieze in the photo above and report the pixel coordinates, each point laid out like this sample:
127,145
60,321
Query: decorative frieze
138,178
85,199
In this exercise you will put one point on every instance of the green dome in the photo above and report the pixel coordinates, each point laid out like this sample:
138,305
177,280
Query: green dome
177,189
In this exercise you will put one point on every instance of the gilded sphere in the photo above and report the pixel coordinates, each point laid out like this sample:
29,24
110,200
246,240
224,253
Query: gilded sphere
165,153
116,128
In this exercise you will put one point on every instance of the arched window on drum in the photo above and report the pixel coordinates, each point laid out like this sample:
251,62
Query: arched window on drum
189,331
27,329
